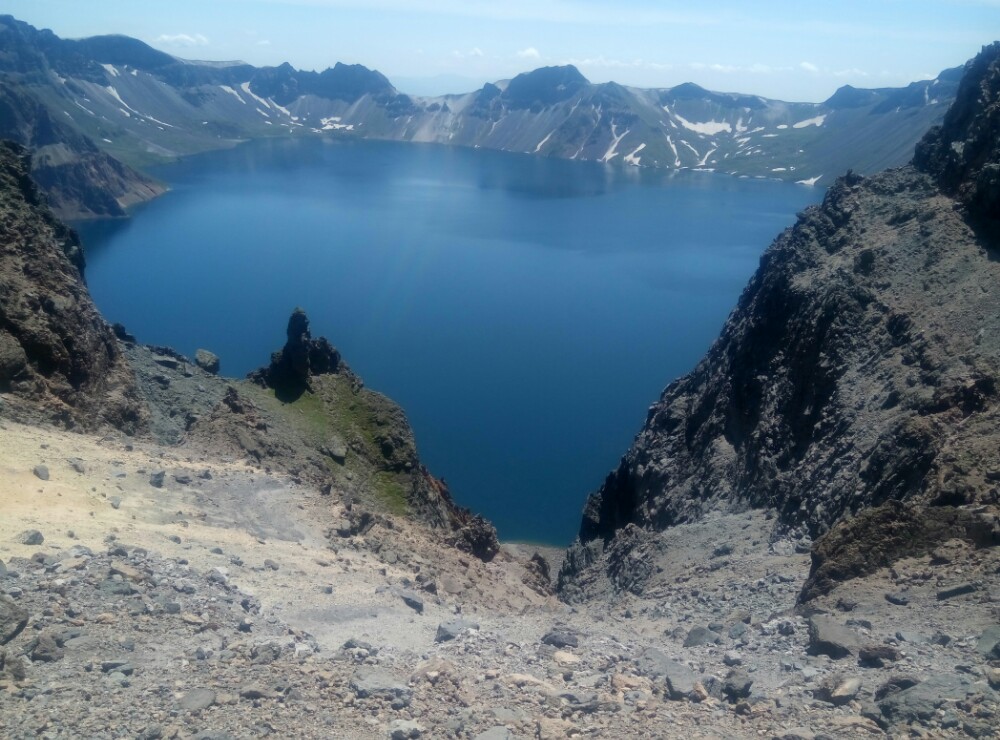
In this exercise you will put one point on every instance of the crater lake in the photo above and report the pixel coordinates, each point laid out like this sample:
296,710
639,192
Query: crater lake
524,311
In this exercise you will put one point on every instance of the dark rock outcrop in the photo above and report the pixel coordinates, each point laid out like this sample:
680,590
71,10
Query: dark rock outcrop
59,360
308,414
861,365
301,358
963,153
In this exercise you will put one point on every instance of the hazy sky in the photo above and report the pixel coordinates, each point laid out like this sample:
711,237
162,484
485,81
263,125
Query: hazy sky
788,49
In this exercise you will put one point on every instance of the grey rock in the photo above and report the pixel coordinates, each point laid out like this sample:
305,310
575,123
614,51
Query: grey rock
13,619
898,599
265,654
560,638
679,680
702,636
46,649
405,729
41,472
922,701
829,637
878,655
116,502
737,631
453,628
495,733
270,565
207,361
197,699
959,590
736,686
156,479
77,465
413,601
117,666
335,450
988,644
256,692
31,537
838,690
377,684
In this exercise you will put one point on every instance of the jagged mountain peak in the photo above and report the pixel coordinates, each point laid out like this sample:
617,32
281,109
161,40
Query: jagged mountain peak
544,86
121,50
848,96
963,153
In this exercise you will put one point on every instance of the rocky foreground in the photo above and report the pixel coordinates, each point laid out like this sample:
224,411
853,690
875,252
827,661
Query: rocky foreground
152,594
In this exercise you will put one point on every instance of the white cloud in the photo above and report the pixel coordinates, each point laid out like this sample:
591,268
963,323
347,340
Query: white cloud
757,69
808,67
854,72
474,52
182,39
605,62
530,53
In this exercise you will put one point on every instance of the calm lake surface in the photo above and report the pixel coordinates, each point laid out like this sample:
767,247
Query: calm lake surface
525,312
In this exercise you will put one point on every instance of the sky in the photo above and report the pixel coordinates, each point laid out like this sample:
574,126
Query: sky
800,50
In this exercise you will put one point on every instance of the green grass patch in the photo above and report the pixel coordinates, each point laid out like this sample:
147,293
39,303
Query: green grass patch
390,493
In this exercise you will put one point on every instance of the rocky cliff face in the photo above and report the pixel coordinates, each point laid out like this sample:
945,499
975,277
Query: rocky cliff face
861,366
59,360
79,180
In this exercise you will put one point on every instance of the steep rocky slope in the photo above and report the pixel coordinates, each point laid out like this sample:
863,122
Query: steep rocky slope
79,179
58,358
861,366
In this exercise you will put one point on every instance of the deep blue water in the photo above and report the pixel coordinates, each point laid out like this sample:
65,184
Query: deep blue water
524,311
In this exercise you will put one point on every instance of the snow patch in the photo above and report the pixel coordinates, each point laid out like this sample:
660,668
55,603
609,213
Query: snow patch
709,128
611,153
632,158
705,158
231,91
811,181
245,87
333,124
696,152
110,69
817,121
116,96
782,126
673,148
542,142
283,110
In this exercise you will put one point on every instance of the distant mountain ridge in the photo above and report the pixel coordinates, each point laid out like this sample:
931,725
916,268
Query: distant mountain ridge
142,106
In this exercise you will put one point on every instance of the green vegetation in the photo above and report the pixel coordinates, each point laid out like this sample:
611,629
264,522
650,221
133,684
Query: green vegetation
390,491
336,410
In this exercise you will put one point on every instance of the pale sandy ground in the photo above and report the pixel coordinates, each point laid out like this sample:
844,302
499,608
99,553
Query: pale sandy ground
248,515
